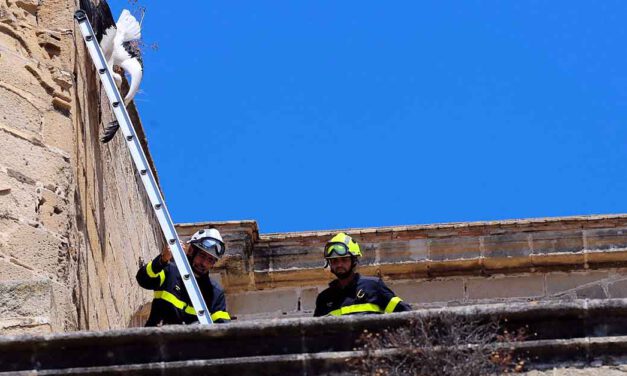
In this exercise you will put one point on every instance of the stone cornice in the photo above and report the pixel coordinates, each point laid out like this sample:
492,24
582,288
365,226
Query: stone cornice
260,261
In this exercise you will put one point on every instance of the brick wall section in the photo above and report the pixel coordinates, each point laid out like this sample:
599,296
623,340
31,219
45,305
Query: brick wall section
433,265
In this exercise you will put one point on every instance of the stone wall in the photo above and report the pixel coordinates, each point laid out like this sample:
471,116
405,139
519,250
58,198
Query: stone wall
280,275
74,219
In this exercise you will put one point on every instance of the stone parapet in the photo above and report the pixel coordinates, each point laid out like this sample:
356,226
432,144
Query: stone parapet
278,275
586,331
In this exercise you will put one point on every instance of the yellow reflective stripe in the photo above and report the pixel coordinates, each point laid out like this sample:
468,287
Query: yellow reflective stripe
392,304
175,301
188,308
152,274
356,308
217,315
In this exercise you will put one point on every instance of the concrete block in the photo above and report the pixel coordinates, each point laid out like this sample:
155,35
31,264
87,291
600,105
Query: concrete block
454,248
444,290
263,301
505,287
606,239
548,242
560,282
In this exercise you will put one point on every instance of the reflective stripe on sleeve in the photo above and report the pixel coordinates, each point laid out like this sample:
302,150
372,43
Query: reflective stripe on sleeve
357,308
175,302
217,315
392,304
152,274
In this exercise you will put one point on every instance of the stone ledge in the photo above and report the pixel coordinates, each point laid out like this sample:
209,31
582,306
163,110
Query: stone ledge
552,321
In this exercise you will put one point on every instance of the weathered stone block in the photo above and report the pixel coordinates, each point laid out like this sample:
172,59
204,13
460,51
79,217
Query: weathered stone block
37,249
308,298
25,298
263,301
24,325
560,282
606,239
453,248
618,289
11,271
402,251
18,112
505,287
507,245
53,211
547,242
444,290
35,162
58,131
20,200
591,292
14,74
607,256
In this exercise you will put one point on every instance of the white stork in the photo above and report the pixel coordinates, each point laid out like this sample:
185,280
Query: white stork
115,40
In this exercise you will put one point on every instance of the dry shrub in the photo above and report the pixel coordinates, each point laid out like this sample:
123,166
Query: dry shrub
446,345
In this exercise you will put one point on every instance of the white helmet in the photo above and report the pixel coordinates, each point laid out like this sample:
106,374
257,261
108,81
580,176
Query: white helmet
208,240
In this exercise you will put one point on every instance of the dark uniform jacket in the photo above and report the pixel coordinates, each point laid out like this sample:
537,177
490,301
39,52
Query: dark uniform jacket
364,295
171,303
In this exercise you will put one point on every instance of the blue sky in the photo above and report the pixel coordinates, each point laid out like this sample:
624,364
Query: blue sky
311,115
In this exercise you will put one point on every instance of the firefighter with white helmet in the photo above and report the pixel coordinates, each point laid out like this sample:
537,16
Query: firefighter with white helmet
352,293
171,303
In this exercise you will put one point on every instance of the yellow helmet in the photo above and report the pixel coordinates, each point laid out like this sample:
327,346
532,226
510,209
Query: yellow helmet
341,245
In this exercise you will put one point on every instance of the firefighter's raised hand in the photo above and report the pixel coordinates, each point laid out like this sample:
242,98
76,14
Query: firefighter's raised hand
166,255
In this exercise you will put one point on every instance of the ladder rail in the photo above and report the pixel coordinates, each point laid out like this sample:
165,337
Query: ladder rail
141,163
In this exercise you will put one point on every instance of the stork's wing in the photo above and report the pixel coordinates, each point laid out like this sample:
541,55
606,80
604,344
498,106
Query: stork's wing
128,26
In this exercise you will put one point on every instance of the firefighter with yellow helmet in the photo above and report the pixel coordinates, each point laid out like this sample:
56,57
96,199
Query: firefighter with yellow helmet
352,293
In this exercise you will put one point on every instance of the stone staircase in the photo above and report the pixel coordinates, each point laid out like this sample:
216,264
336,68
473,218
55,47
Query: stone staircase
579,333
